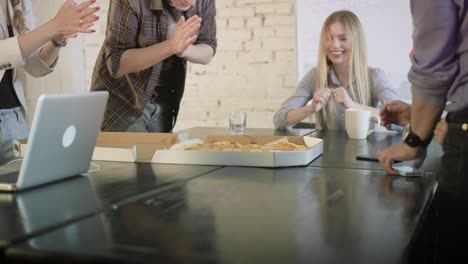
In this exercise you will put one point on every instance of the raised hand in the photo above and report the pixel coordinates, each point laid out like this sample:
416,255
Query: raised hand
184,34
342,97
72,19
320,98
396,112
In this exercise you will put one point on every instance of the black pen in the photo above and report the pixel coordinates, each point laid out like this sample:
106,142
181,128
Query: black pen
374,159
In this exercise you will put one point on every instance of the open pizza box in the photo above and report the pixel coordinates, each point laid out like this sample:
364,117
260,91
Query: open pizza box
133,147
120,146
169,148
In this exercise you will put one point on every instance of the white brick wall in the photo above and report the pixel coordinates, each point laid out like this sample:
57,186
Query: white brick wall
254,68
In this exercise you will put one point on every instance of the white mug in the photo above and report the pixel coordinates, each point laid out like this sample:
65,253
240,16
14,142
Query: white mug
357,123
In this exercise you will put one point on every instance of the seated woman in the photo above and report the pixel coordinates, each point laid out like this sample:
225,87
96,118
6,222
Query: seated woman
341,79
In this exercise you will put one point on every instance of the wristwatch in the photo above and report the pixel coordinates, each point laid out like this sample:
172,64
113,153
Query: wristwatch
414,140
59,44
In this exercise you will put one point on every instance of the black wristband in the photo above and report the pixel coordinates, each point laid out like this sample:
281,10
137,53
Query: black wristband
414,140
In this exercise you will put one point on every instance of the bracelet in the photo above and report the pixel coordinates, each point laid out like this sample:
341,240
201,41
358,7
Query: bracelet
59,44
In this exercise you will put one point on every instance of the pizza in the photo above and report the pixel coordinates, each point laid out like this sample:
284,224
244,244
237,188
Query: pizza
230,146
285,146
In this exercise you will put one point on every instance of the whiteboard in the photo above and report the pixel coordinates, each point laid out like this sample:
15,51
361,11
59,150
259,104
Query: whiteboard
387,25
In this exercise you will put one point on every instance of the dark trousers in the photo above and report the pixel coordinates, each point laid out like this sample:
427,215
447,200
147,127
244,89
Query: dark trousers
443,237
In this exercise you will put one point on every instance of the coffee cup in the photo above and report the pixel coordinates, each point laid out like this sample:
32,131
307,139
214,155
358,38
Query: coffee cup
357,123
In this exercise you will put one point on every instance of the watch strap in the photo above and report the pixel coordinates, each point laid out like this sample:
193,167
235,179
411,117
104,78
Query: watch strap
414,140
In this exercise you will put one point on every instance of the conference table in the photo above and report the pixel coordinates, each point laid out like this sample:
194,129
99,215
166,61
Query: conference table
336,209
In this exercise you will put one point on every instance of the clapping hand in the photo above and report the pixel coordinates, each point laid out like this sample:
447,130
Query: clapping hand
184,34
72,19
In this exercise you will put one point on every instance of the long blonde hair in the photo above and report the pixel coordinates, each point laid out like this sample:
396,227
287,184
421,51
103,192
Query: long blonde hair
18,19
358,71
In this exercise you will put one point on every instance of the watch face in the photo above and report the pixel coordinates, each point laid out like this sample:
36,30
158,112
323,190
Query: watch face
413,140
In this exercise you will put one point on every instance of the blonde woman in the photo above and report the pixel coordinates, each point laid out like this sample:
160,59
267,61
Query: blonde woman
341,79
35,49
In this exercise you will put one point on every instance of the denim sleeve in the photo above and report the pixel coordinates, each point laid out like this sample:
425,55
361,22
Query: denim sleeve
435,63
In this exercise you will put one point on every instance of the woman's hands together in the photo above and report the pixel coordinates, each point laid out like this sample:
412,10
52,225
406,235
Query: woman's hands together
342,97
322,95
320,98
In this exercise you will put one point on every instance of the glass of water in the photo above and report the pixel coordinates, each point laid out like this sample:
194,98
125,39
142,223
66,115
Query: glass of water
237,122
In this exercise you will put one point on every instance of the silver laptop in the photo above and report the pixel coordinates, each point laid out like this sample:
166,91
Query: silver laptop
61,141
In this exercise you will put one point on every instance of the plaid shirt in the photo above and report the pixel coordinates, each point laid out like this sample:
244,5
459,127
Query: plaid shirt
138,24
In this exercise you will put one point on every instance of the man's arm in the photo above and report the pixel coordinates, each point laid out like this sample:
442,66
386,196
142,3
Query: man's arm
434,65
424,118
204,47
434,68
122,51
135,60
200,54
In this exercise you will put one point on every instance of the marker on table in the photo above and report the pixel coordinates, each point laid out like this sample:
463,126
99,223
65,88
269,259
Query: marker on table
369,158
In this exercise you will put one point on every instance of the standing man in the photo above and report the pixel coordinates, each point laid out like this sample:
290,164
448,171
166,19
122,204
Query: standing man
439,76
143,60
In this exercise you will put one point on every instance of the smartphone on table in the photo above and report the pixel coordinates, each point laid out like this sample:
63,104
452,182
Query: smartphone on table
408,171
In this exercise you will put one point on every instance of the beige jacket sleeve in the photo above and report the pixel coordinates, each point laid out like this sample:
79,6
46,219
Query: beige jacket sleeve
11,57
10,52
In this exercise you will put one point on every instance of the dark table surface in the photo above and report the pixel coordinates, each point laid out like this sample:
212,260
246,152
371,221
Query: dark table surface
251,215
333,211
34,211
339,151
26,214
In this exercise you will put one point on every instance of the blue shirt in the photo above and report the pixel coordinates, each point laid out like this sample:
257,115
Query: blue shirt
439,71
